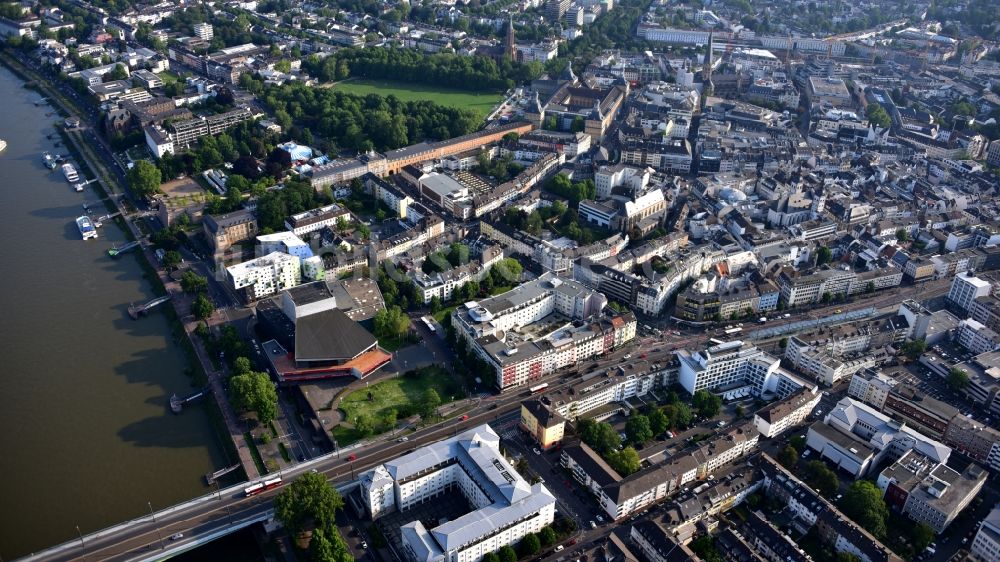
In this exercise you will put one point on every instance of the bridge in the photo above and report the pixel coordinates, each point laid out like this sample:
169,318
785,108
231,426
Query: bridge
116,251
135,311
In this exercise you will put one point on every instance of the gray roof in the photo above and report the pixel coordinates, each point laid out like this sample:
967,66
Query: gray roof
330,335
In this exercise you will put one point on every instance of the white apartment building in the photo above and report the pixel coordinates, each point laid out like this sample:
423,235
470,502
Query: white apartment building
871,387
284,242
505,506
825,361
965,289
317,219
930,492
204,31
610,177
976,337
265,276
735,370
780,416
986,545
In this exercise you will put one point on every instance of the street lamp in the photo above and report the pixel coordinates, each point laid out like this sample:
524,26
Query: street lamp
153,515
80,534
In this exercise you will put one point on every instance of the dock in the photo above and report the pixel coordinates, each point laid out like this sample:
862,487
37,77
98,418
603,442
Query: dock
177,403
136,311
116,251
211,477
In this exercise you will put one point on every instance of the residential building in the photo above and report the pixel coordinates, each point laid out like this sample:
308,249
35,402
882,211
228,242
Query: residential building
505,506
976,337
735,370
776,418
265,276
317,219
986,545
965,289
930,492
543,424
284,242
871,386
204,31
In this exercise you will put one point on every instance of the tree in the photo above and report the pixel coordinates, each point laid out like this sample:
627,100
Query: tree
826,298
823,255
864,504
310,498
624,462
144,178
530,544
914,349
202,307
254,391
599,435
242,366
119,72
788,456
902,235
638,430
821,478
707,404
171,259
921,535
844,556
507,554
547,536
365,424
658,421
877,115
193,283
429,403
958,379
435,304
491,557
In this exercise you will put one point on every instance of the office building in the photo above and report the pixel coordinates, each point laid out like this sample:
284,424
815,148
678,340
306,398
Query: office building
930,492
505,507
774,419
965,289
986,545
734,370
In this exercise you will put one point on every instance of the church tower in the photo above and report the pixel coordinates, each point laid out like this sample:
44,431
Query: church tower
706,70
508,44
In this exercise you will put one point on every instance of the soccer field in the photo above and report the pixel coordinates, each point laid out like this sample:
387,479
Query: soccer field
482,104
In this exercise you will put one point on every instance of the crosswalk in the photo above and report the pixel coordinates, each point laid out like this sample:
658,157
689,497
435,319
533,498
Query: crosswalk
509,434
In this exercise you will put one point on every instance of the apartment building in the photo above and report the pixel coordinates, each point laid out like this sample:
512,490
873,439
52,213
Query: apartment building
976,337
734,370
965,289
798,290
505,506
284,242
986,545
621,497
603,394
778,417
826,363
530,330
187,132
543,424
871,387
930,492
317,219
265,276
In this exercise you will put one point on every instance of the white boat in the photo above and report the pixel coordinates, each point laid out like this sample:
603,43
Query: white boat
78,186
70,172
87,230
3,145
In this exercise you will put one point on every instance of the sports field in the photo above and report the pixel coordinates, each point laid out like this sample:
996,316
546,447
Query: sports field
482,104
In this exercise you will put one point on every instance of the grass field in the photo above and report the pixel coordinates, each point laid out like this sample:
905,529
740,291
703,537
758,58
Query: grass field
401,393
482,104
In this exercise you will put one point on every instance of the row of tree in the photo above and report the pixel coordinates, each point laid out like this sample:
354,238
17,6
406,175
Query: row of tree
415,66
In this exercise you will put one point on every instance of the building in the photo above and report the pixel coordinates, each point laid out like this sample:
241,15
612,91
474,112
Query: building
223,231
600,395
780,416
986,545
823,89
317,219
265,276
735,370
204,31
871,387
540,326
930,492
284,242
976,337
543,424
505,506
965,289
855,437
993,153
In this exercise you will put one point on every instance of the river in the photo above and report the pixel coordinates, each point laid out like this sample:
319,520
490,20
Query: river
86,437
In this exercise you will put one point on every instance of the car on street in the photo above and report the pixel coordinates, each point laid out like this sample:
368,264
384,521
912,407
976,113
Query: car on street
364,545
593,525
352,457
403,439
177,536
536,451
560,548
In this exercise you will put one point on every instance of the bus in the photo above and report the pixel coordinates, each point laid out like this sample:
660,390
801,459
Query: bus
538,388
429,322
262,486
733,331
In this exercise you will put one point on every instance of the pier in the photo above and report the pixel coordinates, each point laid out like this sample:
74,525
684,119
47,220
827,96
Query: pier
116,251
136,311
177,403
211,477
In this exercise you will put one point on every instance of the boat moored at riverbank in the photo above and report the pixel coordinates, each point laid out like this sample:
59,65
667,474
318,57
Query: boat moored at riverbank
87,229
70,172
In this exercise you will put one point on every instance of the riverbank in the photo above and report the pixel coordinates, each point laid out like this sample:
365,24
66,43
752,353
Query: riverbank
89,386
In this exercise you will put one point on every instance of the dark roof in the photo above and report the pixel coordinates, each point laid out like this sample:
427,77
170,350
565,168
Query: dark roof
309,293
545,417
330,335
592,464
216,222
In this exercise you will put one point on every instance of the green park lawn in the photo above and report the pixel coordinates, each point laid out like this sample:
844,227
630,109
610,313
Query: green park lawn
480,103
402,393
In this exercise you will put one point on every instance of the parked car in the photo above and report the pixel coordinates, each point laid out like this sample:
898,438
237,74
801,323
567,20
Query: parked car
177,536
560,548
